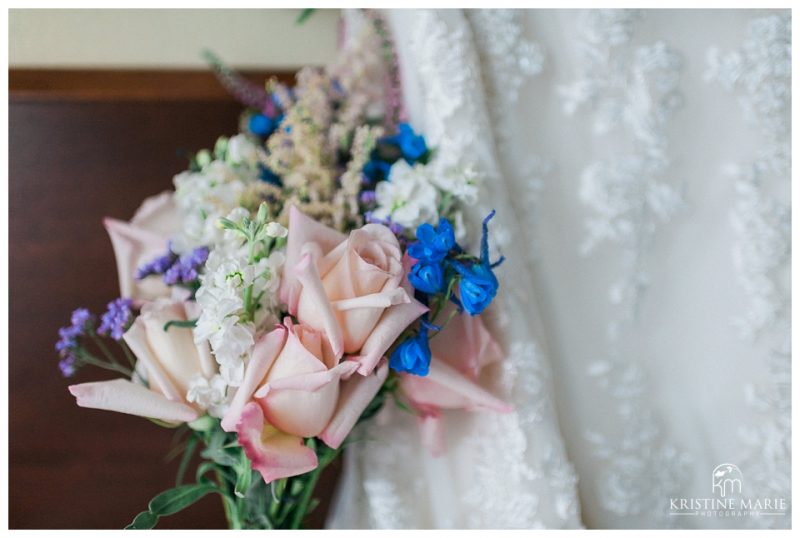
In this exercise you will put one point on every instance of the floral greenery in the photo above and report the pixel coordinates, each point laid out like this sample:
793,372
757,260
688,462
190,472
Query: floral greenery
249,503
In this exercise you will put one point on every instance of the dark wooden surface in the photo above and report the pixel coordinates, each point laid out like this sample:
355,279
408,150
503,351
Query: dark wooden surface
128,85
74,160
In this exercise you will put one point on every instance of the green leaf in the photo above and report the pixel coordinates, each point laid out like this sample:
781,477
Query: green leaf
202,470
304,15
143,521
263,213
203,424
187,457
221,148
164,424
176,499
187,324
227,224
244,475
203,158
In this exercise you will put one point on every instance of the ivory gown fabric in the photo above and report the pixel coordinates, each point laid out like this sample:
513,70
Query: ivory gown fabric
640,165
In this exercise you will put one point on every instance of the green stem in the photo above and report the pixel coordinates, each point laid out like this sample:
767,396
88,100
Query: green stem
107,352
231,513
308,490
446,322
89,359
248,292
305,499
128,354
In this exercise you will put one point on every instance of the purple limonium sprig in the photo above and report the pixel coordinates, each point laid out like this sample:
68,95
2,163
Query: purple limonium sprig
68,365
176,269
184,270
158,266
367,197
397,229
115,321
80,323
68,336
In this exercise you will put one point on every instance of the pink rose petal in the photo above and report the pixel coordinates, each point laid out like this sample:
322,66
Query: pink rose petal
302,230
446,388
309,382
123,396
136,338
466,344
356,393
431,432
315,308
272,453
381,299
264,354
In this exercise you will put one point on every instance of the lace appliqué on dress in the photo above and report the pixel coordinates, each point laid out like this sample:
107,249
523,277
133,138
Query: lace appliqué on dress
635,90
508,62
759,72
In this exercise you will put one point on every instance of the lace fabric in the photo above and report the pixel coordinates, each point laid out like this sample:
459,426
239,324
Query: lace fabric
644,305
635,90
759,73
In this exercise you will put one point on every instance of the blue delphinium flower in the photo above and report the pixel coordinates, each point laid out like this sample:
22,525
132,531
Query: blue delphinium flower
413,355
115,320
377,170
477,287
268,176
478,284
411,145
261,125
427,277
433,244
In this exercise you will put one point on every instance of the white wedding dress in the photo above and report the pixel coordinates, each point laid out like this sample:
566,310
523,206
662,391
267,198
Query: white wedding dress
639,163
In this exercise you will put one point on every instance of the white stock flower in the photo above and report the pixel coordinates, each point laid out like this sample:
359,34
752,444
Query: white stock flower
221,298
213,192
242,151
409,198
209,394
458,179
275,229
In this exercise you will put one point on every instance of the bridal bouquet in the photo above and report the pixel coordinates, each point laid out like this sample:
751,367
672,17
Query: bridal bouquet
302,274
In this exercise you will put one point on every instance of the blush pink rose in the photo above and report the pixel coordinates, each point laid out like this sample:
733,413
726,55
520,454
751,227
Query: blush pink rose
139,241
349,287
295,387
169,359
458,354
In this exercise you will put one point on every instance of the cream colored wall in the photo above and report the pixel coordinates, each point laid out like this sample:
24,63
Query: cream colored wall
169,38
